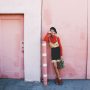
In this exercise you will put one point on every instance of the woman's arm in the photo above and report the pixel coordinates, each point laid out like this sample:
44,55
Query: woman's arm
46,37
61,53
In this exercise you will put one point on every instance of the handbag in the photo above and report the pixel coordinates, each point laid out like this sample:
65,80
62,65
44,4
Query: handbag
60,64
53,45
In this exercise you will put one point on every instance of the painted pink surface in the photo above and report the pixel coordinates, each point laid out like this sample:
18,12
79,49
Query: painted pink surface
88,65
70,19
11,55
44,62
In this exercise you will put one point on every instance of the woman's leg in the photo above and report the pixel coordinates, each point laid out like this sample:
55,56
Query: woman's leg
56,69
58,80
59,70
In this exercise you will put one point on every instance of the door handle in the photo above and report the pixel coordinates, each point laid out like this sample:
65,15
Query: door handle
22,46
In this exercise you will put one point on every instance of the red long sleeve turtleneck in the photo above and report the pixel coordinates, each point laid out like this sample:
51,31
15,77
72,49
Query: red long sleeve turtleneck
53,40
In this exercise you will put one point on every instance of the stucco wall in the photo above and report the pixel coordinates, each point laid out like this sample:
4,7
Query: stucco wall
69,17
32,30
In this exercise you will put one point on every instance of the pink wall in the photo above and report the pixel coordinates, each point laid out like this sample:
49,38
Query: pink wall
32,24
11,55
88,61
70,19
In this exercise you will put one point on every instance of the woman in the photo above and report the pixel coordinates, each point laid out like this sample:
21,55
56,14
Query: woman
56,51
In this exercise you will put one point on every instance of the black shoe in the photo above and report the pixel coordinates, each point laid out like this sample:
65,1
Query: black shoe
59,81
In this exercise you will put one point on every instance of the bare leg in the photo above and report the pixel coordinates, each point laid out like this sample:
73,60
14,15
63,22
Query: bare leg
58,79
59,70
56,70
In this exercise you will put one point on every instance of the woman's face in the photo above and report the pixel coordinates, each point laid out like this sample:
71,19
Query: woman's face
52,32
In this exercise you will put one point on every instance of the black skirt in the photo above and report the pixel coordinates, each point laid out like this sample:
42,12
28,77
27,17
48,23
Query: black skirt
55,53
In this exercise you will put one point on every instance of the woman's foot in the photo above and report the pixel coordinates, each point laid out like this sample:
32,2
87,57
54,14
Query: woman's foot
59,81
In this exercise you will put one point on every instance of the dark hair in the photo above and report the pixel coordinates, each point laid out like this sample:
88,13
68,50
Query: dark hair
53,29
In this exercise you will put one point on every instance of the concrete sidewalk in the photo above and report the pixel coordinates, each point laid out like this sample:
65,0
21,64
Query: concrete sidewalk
14,84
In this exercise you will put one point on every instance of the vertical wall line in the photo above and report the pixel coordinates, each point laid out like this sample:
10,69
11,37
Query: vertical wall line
87,43
41,16
41,37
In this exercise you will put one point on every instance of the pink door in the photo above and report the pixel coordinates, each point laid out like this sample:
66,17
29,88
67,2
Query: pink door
11,46
70,19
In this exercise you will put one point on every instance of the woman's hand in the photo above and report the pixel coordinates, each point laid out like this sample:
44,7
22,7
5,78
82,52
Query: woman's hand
62,57
49,34
49,31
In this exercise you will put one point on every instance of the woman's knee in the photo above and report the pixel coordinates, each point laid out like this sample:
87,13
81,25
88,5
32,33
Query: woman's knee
55,65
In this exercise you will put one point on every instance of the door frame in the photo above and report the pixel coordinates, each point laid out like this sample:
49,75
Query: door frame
23,31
